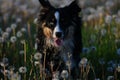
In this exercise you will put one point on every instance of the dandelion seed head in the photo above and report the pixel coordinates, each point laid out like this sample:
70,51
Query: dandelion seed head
8,29
108,19
23,30
18,20
83,62
118,68
103,32
37,56
5,35
13,26
37,63
1,39
23,69
64,74
19,34
13,39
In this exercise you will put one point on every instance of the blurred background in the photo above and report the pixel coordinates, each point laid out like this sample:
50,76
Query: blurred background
100,31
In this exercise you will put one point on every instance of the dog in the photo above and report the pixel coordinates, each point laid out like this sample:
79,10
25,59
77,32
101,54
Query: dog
59,36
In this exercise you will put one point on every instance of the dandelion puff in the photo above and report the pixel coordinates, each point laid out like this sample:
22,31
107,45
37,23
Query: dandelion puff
13,39
18,20
37,63
23,69
1,39
83,62
8,29
64,74
23,30
118,68
114,30
103,32
108,19
13,26
5,35
22,41
19,34
37,56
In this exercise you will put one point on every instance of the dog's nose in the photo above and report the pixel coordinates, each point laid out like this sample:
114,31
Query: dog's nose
58,34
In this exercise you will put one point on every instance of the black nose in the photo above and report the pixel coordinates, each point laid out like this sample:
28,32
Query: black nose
58,34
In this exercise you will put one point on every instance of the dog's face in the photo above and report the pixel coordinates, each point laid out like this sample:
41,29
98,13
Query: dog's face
57,24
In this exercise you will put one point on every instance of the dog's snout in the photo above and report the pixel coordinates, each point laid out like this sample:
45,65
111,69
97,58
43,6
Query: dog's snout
58,34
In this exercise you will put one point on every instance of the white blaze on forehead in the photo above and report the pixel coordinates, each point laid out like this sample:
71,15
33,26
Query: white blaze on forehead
57,27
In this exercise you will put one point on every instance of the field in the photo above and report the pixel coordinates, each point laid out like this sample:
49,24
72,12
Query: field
100,57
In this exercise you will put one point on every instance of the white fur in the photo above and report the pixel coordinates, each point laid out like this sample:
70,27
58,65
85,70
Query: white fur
57,27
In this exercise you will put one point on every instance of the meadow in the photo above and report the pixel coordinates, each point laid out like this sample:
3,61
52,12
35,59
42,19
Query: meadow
100,57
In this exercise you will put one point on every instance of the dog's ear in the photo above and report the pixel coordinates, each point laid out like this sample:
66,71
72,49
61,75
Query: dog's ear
45,3
74,8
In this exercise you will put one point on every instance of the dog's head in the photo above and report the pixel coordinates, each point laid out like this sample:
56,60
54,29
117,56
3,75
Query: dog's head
58,23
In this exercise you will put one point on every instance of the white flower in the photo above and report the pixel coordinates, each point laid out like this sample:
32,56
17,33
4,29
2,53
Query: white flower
118,68
108,19
37,56
83,62
18,20
64,74
5,35
8,29
114,30
23,30
1,39
13,26
19,34
23,69
37,63
103,32
13,39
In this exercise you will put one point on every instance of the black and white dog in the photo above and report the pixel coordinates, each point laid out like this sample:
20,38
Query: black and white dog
59,33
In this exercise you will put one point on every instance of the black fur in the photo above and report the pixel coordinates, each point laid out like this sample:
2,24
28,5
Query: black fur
69,17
